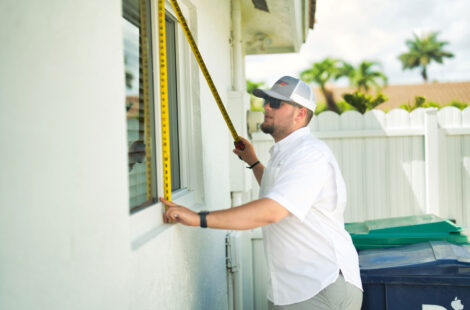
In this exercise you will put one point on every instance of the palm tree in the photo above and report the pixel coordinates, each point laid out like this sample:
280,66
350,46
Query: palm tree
345,69
422,51
366,76
322,72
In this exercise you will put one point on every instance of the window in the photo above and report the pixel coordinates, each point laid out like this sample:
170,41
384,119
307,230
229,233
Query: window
143,142
140,110
145,164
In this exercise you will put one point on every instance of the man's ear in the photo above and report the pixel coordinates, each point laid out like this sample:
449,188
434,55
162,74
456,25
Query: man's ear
301,114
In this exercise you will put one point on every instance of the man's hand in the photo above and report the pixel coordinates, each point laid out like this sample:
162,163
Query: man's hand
179,214
248,155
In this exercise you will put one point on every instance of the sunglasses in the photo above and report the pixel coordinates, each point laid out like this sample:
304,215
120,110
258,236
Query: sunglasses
276,103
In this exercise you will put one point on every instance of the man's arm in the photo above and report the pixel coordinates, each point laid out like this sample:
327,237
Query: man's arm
258,171
253,214
248,155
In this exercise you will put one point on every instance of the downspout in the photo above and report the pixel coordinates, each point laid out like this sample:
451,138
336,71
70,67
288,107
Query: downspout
238,76
238,85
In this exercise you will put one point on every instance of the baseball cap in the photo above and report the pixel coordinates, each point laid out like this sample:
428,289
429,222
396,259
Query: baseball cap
289,89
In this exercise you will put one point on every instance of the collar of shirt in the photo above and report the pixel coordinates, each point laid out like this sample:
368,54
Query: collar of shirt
294,136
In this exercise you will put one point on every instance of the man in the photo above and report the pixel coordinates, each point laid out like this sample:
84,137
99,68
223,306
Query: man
311,259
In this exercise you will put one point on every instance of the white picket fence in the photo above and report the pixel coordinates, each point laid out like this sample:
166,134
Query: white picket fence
397,163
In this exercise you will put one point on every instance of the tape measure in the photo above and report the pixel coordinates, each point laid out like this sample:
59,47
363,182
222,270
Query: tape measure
165,123
146,99
238,143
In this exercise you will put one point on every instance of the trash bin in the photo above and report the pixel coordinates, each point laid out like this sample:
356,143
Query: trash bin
391,232
433,275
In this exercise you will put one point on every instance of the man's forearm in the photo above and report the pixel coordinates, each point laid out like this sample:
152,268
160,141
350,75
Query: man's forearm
258,171
248,155
247,216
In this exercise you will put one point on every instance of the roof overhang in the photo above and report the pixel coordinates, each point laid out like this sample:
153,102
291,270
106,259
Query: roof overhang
276,26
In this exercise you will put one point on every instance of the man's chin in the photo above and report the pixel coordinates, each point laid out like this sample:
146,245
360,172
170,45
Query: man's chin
269,129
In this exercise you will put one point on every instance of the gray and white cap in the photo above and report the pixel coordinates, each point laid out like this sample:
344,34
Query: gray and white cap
290,89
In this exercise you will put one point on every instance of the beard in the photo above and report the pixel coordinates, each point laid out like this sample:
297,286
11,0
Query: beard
269,129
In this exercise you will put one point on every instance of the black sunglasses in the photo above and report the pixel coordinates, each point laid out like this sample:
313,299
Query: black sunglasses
276,103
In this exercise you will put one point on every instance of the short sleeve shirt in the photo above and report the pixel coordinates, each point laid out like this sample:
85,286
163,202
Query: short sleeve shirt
306,250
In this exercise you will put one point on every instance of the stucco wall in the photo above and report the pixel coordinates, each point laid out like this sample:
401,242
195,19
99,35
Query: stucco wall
184,268
64,220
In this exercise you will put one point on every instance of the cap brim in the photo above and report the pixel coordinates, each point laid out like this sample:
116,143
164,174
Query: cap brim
263,93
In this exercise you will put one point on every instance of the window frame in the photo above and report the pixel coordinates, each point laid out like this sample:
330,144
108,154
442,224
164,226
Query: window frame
147,222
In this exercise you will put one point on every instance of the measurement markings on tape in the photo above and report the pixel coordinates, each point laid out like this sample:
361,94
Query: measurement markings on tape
164,89
144,45
165,123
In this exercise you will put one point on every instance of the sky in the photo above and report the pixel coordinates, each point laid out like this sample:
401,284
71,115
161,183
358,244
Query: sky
357,30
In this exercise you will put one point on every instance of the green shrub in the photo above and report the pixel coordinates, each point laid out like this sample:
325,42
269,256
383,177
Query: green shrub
420,102
364,102
407,107
321,107
458,104
343,106
431,104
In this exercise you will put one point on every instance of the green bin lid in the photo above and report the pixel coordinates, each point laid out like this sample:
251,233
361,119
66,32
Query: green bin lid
365,246
426,223
399,239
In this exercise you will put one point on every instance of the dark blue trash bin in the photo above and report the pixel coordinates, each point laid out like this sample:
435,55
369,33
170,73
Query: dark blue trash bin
425,276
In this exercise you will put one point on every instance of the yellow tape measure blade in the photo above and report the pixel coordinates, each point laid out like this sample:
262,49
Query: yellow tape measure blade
164,110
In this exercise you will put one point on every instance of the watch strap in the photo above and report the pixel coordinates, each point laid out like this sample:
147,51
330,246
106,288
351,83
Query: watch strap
202,217
252,166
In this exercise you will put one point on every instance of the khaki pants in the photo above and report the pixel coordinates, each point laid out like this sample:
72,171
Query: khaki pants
339,295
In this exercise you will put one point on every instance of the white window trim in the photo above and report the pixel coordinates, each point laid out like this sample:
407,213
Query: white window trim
148,223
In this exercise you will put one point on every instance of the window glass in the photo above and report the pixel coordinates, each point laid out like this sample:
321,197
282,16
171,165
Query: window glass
140,108
173,104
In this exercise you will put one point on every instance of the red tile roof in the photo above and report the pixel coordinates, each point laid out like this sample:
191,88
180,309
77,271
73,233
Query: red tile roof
442,93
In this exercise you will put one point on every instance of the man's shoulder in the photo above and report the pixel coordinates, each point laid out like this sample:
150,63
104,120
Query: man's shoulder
309,148
313,144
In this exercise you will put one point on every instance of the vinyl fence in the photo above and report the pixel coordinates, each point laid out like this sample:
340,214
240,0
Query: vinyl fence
397,163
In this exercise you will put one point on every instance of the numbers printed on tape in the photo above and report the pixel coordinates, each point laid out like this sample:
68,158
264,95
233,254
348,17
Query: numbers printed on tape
165,124
163,100
164,110
146,99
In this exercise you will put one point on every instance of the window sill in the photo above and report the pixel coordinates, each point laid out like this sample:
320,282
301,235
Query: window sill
147,224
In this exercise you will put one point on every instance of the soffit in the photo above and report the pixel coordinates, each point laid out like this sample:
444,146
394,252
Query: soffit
282,29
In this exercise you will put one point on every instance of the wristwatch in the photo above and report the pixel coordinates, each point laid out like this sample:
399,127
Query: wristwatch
202,217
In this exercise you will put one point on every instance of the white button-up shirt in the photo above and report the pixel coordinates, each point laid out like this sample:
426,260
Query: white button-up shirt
306,250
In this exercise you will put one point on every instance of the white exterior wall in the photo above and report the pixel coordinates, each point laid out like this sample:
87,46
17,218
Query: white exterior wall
180,267
67,239
64,215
